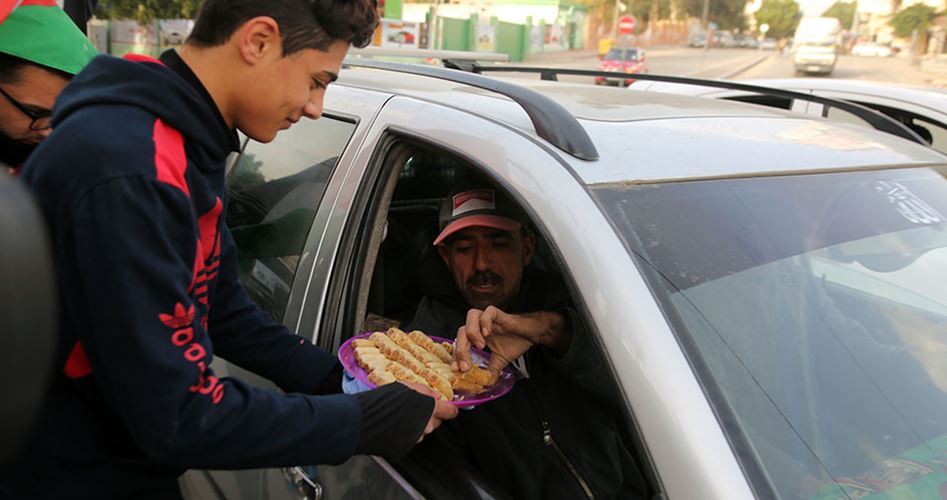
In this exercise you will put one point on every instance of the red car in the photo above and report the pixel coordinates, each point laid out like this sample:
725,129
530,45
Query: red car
627,61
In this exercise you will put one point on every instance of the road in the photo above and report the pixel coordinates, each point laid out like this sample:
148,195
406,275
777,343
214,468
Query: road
737,64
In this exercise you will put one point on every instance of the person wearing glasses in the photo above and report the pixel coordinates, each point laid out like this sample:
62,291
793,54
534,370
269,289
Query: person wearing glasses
41,49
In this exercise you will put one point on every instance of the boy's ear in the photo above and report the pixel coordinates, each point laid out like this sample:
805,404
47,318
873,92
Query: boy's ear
258,39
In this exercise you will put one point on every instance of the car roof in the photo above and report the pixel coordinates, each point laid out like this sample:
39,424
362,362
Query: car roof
899,91
583,101
640,134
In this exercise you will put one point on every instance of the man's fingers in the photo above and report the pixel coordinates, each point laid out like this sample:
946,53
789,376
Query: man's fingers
474,333
461,351
486,321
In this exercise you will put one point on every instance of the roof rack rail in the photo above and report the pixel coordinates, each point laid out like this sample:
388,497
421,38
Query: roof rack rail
552,121
460,55
877,120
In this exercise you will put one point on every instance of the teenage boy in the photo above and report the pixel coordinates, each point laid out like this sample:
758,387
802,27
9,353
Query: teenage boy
132,185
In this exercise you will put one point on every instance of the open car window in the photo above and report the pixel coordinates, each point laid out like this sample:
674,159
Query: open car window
550,420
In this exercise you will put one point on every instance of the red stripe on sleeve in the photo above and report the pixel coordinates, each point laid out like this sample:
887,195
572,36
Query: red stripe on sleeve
77,364
141,58
208,224
170,160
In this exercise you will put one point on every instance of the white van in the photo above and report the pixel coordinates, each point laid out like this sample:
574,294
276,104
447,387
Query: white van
816,45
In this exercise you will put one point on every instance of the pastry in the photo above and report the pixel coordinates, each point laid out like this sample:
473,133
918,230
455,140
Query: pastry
430,346
414,357
410,345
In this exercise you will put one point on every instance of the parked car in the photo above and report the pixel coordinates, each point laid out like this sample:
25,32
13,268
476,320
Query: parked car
922,109
871,49
621,61
402,37
769,44
759,283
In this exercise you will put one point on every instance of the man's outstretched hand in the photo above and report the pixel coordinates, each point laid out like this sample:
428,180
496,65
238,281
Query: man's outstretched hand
509,336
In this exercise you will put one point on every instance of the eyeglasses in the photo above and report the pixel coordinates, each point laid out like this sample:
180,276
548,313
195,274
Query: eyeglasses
42,120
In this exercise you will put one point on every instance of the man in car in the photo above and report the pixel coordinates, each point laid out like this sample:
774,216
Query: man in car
40,51
132,185
557,434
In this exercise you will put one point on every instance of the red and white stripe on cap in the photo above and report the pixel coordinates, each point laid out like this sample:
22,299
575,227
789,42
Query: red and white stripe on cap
469,201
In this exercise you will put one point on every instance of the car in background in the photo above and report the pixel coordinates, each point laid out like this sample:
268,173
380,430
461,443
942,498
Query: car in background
726,39
922,109
402,37
769,44
758,285
871,49
815,47
622,62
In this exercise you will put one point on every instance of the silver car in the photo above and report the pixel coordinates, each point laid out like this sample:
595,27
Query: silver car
767,287
922,109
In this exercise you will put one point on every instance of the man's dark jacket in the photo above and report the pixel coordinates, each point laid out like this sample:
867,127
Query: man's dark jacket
556,434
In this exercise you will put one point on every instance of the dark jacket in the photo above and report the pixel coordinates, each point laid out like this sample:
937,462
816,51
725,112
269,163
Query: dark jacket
13,153
132,185
556,433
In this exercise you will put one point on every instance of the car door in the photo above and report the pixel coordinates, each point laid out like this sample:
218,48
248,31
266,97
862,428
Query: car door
409,124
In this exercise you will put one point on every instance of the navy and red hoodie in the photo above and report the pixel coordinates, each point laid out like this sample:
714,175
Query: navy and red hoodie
132,185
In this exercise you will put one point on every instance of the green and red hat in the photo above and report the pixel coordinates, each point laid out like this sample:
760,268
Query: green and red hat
39,31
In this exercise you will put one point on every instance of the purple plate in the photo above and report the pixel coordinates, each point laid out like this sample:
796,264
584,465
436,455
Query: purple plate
480,358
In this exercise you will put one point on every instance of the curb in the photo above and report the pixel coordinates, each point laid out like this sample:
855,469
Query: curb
741,69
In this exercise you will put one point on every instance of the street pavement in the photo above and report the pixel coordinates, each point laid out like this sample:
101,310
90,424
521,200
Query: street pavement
736,64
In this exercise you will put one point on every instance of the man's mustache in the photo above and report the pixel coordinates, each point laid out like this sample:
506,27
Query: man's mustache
485,278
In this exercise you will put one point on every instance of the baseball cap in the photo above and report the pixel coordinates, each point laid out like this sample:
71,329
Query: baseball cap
41,32
478,205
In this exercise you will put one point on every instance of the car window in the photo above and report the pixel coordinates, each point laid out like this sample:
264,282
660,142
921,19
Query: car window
810,303
584,425
274,190
619,55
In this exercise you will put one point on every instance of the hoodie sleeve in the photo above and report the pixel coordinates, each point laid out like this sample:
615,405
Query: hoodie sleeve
245,335
150,355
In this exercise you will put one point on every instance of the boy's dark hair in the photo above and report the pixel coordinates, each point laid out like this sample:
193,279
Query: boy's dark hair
10,67
303,24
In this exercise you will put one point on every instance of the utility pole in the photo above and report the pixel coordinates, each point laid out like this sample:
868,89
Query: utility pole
615,22
855,22
705,15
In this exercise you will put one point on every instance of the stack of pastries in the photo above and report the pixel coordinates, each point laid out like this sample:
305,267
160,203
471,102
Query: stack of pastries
414,357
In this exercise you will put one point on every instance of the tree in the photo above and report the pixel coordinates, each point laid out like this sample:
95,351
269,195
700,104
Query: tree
843,11
916,17
782,16
147,11
728,14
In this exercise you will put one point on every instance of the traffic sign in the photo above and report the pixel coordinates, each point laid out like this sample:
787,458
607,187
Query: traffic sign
764,28
626,25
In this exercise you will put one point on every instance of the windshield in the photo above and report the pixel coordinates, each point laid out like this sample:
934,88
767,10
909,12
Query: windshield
619,55
814,309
